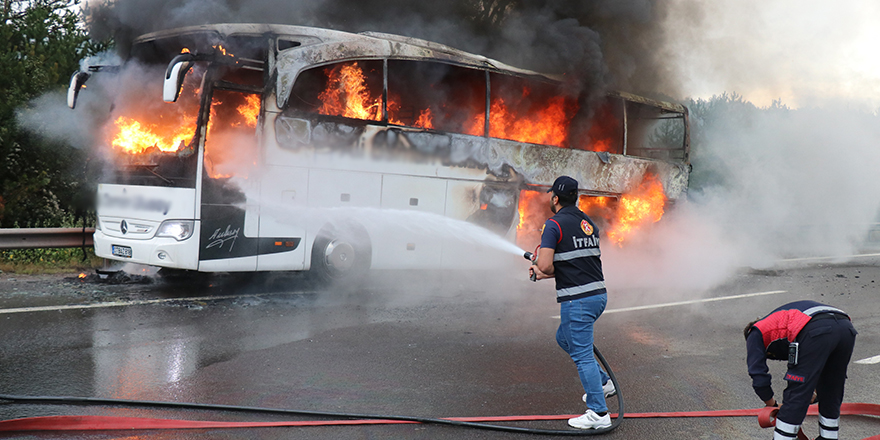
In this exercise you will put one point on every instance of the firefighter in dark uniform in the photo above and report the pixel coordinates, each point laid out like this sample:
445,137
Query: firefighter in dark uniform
569,253
817,341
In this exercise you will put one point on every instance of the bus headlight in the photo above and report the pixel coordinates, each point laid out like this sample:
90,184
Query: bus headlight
178,229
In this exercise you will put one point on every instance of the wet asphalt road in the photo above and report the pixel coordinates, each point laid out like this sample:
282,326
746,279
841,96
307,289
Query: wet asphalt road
434,345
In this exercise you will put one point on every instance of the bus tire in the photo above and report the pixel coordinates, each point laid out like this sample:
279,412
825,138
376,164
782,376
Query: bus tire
341,254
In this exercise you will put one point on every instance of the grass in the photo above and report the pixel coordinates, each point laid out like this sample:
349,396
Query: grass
48,261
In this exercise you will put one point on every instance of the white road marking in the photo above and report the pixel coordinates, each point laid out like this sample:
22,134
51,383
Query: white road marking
869,361
126,303
841,257
681,303
694,301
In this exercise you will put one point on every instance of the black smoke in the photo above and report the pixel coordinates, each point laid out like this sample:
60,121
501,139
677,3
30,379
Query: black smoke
598,45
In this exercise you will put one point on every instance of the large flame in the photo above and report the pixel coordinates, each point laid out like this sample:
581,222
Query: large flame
618,219
547,125
347,94
229,133
134,137
638,209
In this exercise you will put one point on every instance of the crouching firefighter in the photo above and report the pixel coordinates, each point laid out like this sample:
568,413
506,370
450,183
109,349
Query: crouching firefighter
817,341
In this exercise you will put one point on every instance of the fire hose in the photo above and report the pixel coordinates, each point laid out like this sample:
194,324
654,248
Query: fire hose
766,416
86,423
66,423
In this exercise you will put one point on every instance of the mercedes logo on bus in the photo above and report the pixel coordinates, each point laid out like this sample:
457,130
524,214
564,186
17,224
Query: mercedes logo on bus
123,227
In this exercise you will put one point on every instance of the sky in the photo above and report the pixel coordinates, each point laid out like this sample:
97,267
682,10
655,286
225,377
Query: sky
802,52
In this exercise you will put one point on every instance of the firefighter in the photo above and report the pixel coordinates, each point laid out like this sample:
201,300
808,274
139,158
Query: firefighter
817,341
569,253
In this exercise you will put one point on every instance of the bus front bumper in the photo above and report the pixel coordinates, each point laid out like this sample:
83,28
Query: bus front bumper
161,252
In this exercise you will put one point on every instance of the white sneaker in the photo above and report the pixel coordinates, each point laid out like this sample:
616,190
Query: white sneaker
590,420
607,389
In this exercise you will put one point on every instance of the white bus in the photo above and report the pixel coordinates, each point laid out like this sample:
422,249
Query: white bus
295,148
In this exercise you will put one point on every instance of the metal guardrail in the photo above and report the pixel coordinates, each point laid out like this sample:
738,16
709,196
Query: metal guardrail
31,238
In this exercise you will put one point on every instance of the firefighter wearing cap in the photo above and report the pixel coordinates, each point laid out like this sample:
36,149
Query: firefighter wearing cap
569,253
817,341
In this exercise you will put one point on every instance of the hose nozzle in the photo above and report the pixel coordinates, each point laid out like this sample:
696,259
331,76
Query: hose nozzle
531,257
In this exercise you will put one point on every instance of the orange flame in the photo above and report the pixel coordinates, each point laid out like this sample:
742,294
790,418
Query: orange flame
546,126
223,50
250,110
347,94
638,209
133,137
81,275
426,119
533,209
618,220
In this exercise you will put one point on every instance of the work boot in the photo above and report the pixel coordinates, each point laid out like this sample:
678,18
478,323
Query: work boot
608,390
590,420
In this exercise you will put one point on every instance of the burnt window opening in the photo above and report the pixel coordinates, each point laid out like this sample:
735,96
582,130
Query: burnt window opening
287,44
449,98
526,110
150,142
436,96
240,78
654,133
161,51
351,89
231,147
598,127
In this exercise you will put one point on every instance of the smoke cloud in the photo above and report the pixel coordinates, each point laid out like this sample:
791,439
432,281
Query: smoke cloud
768,184
598,44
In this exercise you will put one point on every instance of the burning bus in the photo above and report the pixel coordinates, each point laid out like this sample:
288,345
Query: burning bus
273,145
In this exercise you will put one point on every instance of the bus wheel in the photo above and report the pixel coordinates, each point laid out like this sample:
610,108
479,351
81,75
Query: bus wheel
341,253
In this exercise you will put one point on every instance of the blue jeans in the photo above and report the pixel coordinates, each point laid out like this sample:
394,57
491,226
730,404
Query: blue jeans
575,336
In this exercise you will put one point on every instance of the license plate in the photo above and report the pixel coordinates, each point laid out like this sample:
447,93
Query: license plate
120,251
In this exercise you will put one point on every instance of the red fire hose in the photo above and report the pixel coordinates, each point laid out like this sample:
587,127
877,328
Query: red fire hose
766,418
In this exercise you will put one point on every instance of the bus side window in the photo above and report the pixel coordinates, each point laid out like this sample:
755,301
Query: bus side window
351,89
530,111
599,128
653,133
436,96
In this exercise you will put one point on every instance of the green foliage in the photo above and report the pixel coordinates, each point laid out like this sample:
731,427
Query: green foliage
723,117
41,43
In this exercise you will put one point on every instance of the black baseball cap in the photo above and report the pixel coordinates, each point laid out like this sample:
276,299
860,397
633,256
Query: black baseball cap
564,185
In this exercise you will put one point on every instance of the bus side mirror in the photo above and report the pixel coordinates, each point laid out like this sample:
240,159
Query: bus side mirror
174,75
77,81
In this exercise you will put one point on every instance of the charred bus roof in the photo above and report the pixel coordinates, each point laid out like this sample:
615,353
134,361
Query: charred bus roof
326,46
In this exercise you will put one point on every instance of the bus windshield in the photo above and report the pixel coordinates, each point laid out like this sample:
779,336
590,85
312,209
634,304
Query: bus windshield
154,143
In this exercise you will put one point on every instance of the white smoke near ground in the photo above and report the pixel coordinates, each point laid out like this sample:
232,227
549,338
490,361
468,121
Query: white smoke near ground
795,182
768,184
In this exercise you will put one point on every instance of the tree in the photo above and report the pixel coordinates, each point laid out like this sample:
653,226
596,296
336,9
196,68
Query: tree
41,43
